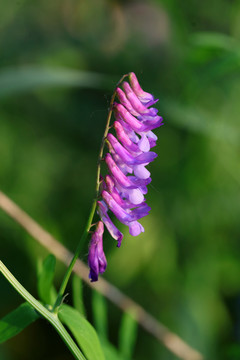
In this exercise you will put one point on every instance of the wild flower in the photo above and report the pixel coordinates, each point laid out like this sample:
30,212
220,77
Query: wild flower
123,189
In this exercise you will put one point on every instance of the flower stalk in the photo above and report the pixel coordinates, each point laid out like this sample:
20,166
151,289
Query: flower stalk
93,208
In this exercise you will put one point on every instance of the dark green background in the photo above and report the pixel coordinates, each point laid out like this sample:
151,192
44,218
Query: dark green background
185,268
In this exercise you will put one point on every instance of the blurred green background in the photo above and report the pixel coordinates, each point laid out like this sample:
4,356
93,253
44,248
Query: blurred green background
59,62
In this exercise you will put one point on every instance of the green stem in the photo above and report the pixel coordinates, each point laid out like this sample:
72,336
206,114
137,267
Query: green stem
52,318
93,208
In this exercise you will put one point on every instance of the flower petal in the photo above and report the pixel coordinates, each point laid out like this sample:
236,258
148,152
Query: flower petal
117,173
142,124
144,97
144,144
136,103
125,155
141,172
125,102
118,211
113,230
116,194
96,257
135,228
124,138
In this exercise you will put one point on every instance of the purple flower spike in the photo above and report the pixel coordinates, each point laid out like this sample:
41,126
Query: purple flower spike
96,257
122,190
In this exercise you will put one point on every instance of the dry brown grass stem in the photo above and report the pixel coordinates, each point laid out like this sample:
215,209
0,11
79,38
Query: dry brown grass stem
170,340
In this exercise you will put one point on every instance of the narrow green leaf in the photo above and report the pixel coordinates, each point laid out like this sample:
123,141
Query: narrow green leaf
127,335
83,332
46,289
99,306
28,78
16,321
78,294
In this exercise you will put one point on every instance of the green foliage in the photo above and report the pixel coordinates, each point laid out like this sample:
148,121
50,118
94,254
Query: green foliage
77,293
15,80
99,306
16,321
46,290
127,335
83,332
110,352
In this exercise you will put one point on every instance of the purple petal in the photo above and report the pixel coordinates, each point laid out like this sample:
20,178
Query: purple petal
143,189
135,196
150,122
96,257
125,204
145,158
117,173
152,143
120,163
128,118
143,96
135,102
125,102
125,216
113,230
127,128
113,191
124,138
118,211
140,212
141,172
144,144
125,155
139,182
135,228
151,135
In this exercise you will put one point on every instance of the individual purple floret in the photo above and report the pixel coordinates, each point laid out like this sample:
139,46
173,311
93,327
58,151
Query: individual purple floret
123,189
96,257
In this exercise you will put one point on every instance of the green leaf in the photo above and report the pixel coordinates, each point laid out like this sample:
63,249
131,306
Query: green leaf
16,321
28,78
127,335
110,352
200,121
78,294
51,317
83,332
215,40
46,289
99,306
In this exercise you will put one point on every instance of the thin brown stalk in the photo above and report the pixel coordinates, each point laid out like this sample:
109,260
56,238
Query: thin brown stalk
169,339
